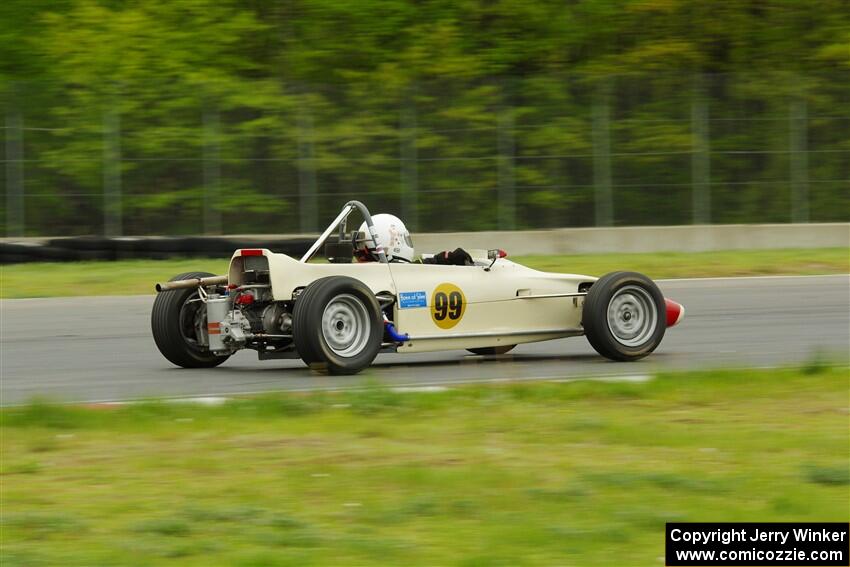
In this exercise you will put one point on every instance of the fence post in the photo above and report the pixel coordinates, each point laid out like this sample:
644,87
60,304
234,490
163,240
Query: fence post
604,205
507,182
15,221
798,159
309,209
112,206
212,172
700,157
409,167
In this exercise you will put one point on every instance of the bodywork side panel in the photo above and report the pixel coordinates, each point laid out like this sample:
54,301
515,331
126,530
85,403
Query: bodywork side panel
288,274
510,304
509,322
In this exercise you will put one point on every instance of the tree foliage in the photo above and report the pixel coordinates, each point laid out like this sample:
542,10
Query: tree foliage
428,109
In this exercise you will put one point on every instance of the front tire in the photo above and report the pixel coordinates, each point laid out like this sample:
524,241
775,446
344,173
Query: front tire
174,323
624,316
337,325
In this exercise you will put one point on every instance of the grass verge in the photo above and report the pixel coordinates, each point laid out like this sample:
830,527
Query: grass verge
139,276
582,473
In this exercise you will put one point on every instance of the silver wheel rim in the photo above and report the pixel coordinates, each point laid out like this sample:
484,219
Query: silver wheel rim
632,316
346,325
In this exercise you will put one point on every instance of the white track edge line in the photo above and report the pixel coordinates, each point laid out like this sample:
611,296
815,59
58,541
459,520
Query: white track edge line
403,388
770,277
409,387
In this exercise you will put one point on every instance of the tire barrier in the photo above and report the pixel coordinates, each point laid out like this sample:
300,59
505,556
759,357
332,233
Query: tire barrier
131,248
626,239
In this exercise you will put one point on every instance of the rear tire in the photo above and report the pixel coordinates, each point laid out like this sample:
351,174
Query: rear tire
624,316
337,325
490,351
173,323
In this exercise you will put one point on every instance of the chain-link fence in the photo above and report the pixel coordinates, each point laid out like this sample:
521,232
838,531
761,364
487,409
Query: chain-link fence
510,153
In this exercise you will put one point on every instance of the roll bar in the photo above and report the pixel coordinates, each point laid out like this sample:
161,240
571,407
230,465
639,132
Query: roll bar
341,221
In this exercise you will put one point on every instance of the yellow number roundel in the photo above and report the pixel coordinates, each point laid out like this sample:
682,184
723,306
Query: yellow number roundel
448,304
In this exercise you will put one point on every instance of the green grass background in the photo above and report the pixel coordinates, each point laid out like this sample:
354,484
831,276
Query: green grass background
139,276
582,473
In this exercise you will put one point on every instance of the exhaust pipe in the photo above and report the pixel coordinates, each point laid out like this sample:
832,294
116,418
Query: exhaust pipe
195,282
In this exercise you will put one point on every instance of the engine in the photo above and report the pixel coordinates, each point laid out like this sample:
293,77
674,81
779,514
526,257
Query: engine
247,316
270,318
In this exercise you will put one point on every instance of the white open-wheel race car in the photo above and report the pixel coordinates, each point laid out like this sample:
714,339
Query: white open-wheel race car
338,315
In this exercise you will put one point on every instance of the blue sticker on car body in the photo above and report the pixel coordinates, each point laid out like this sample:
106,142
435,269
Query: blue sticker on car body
411,299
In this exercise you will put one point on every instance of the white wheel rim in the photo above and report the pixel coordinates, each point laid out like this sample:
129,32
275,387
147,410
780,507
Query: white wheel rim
346,325
632,316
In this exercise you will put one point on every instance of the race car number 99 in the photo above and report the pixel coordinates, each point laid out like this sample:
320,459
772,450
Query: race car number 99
447,305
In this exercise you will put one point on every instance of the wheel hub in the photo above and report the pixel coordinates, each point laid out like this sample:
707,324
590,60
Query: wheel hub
346,325
193,322
632,316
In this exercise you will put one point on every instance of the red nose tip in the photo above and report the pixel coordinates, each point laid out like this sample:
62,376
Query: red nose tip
675,312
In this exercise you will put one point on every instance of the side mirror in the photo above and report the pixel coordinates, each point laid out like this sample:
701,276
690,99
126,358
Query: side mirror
494,255
338,252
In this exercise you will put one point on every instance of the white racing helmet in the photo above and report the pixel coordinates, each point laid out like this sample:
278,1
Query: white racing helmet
392,235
